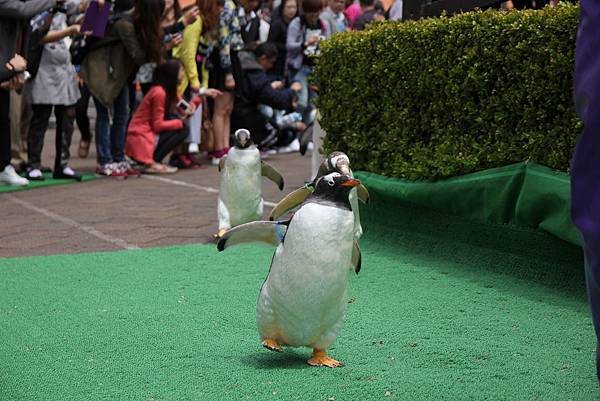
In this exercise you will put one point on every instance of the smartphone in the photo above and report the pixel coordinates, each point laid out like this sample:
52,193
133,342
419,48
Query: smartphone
184,106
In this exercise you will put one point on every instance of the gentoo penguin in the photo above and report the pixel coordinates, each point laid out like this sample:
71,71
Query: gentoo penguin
335,162
240,196
303,299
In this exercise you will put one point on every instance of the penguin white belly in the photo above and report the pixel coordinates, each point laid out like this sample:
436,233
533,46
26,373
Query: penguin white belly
240,196
303,300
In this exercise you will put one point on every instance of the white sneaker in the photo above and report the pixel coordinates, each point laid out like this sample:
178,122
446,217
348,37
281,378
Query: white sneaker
292,147
215,161
10,177
193,148
68,171
35,174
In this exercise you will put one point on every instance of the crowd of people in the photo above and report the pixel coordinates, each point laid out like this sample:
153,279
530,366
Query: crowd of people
170,80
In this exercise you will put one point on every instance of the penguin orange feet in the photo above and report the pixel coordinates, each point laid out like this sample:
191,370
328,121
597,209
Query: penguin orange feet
320,358
272,345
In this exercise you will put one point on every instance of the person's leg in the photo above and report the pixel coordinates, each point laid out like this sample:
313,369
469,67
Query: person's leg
8,176
26,115
167,141
81,114
68,126
17,149
5,140
585,167
302,78
35,138
65,118
222,121
103,149
227,127
118,130
59,141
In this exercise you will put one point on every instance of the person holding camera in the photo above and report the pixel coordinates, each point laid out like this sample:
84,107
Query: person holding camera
12,15
158,124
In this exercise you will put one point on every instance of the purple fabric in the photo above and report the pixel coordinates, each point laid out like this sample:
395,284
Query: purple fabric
96,19
585,169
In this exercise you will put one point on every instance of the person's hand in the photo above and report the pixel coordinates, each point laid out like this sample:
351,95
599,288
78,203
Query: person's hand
15,83
229,82
300,126
312,40
210,92
190,16
175,41
17,63
295,103
276,84
74,29
296,87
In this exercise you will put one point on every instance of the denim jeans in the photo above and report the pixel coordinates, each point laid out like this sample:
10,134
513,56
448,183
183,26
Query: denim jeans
110,137
306,95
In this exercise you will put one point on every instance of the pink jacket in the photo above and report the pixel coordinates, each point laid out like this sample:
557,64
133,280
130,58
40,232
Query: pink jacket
147,123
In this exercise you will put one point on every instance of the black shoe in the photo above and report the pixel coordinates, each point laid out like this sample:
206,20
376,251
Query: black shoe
36,177
61,174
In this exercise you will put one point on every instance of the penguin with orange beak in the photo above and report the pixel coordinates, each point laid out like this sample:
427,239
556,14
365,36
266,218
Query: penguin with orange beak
303,300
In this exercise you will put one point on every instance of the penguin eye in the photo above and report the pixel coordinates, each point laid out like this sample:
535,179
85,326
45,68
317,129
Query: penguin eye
331,182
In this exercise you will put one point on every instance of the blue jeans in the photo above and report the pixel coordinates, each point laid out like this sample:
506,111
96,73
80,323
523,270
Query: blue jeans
306,95
110,138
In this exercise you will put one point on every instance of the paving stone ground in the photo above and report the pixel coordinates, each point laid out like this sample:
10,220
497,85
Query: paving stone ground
108,214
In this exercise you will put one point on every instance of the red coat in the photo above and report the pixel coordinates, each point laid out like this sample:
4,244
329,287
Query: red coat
147,123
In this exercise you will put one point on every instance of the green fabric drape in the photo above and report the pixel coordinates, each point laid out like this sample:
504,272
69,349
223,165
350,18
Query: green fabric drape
523,194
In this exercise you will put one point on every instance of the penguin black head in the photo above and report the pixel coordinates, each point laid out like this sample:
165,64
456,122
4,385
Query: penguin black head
335,187
243,139
335,162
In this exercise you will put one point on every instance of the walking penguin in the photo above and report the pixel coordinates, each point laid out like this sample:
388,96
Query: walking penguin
303,299
240,196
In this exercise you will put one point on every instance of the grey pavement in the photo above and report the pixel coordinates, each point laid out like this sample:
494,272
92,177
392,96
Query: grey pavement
107,214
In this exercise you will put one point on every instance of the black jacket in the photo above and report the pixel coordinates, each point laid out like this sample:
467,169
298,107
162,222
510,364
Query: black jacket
256,88
278,36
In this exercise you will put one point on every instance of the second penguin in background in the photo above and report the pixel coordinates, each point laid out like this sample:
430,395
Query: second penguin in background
240,196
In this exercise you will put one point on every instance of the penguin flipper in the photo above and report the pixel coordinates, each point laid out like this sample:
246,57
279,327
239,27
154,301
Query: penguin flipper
356,257
268,171
289,202
222,163
363,194
268,232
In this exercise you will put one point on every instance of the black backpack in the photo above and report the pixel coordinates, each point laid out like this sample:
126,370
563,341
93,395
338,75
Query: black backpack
82,45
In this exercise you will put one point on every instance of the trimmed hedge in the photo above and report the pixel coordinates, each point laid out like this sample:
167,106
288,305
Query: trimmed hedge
446,96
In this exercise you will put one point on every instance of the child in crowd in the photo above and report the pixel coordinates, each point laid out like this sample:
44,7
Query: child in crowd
157,126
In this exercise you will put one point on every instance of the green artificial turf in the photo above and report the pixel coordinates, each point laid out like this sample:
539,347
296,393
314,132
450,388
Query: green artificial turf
48,181
442,310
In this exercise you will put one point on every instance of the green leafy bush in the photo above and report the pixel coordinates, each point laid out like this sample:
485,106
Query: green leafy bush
447,96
